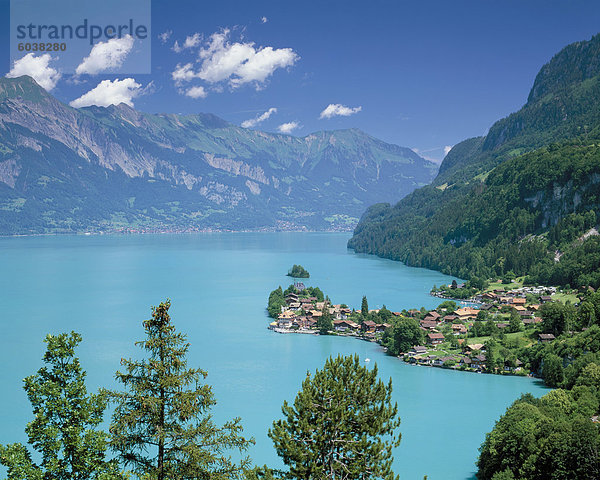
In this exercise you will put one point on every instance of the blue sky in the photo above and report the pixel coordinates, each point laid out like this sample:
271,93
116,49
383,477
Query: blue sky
423,74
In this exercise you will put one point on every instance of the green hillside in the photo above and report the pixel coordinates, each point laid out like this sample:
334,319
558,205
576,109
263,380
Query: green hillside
521,200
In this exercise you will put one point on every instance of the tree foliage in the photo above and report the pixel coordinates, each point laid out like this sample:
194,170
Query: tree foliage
298,271
64,429
404,334
162,427
341,425
551,438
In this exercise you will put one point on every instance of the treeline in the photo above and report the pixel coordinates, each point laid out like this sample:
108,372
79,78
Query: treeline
162,427
558,435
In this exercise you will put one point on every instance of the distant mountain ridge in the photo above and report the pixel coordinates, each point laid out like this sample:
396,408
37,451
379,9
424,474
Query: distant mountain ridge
96,169
516,200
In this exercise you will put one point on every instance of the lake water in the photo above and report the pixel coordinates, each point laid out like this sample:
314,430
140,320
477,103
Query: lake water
103,287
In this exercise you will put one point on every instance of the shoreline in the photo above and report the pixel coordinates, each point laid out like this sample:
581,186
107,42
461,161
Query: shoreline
402,358
167,232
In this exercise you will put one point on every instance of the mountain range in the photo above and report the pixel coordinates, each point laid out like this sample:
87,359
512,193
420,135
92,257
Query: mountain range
521,200
104,169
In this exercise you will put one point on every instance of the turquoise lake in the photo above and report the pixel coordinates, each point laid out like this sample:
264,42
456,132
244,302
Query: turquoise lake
103,287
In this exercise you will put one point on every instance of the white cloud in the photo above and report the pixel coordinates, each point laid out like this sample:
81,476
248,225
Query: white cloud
196,92
264,19
183,73
258,119
241,63
38,68
336,109
447,149
288,127
110,92
165,36
191,41
106,56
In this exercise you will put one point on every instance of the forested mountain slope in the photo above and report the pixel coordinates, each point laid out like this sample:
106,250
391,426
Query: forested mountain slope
521,199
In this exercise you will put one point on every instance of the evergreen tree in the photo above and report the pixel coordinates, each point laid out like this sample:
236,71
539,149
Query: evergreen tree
64,428
515,322
161,425
341,425
364,308
325,322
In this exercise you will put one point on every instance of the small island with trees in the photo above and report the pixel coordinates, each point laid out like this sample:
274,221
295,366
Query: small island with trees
298,271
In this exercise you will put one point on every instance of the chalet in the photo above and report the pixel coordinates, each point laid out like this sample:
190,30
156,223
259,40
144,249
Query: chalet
545,298
487,306
434,315
450,318
344,325
525,314
439,362
418,350
316,314
368,326
294,305
422,360
413,313
509,367
465,361
466,313
459,329
382,327
291,298
488,296
545,337
520,308
428,325
519,301
302,323
528,321
475,347
478,360
285,322
534,307
505,300
435,338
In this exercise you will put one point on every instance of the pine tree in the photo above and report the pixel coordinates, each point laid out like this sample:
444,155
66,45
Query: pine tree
364,308
340,426
64,428
161,425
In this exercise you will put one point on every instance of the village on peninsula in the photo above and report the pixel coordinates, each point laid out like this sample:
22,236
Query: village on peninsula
482,335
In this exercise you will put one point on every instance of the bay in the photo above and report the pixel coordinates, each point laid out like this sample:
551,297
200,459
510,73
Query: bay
103,287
